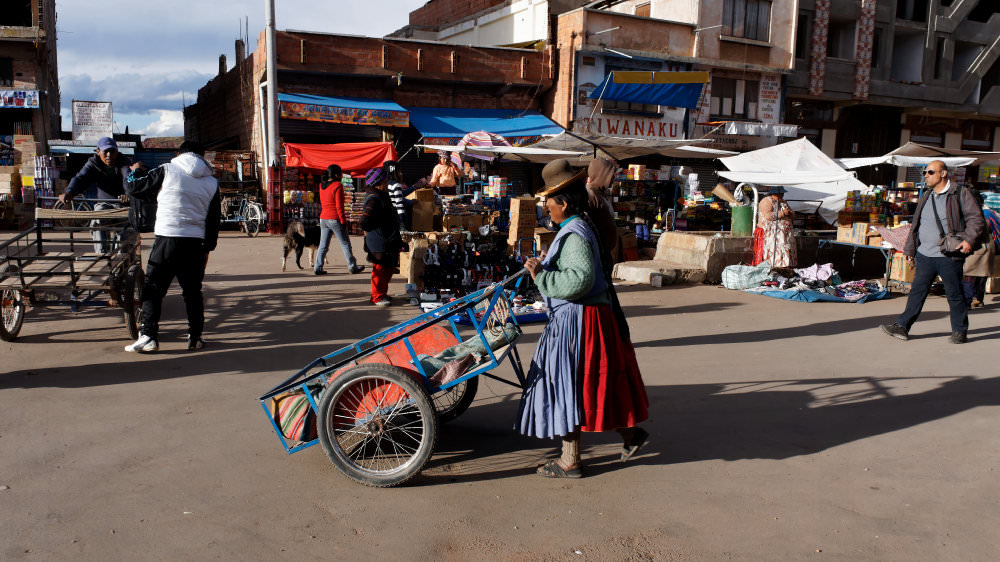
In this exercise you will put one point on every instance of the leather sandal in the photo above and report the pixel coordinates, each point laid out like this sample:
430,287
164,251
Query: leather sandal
552,469
638,440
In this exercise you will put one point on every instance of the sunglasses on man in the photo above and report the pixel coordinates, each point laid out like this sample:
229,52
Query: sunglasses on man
930,172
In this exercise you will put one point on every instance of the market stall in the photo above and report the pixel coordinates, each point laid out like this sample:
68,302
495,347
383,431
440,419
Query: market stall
305,163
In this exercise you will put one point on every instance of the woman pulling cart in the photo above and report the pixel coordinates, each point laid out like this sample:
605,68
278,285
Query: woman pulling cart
584,375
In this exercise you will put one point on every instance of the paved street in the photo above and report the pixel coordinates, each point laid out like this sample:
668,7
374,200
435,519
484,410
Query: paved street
780,431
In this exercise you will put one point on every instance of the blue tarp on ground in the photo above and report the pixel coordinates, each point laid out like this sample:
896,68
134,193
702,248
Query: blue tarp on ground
804,295
447,122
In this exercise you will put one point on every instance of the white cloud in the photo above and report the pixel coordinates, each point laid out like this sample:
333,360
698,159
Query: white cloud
170,124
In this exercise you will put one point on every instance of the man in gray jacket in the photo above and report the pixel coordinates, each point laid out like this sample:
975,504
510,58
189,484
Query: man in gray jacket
187,229
944,207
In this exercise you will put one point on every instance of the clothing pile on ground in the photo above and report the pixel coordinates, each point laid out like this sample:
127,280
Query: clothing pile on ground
811,284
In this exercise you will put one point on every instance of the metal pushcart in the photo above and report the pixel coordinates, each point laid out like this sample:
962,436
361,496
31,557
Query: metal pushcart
375,405
56,262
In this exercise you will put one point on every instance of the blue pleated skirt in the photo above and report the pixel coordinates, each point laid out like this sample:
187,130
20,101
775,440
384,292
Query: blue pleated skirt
551,404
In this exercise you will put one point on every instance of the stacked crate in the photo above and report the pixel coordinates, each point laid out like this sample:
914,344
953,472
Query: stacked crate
523,219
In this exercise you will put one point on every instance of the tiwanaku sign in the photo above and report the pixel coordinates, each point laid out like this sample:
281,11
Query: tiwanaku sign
350,115
92,120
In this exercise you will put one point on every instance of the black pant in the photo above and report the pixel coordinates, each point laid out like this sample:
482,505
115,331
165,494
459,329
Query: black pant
183,258
950,271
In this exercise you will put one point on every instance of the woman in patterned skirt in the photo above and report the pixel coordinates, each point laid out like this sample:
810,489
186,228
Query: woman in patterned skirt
584,375
773,239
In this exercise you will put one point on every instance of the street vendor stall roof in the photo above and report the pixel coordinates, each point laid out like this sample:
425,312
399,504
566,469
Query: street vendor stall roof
524,153
914,154
354,158
621,148
448,122
672,89
329,109
814,181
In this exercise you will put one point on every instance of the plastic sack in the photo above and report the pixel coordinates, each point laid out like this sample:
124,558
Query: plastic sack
745,276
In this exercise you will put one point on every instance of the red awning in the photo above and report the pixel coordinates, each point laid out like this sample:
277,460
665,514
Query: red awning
355,158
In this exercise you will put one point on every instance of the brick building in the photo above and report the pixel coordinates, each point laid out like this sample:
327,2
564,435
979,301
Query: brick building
871,76
346,72
29,81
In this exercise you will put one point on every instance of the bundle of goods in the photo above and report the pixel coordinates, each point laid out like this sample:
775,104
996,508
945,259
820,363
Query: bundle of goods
814,283
497,187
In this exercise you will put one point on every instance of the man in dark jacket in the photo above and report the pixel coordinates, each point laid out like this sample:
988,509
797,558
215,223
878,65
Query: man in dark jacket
107,169
944,207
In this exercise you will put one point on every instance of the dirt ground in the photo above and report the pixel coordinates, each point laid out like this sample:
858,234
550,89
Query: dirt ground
780,431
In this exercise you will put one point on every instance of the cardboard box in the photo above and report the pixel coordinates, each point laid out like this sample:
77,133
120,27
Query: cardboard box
411,263
424,194
844,233
902,269
543,239
473,222
859,233
423,216
449,222
875,240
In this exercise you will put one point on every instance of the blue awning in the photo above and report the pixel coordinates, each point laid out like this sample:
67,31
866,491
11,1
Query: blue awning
453,123
671,89
329,109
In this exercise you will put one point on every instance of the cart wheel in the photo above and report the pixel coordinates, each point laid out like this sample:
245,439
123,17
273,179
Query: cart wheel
454,401
377,424
254,218
131,300
72,206
12,310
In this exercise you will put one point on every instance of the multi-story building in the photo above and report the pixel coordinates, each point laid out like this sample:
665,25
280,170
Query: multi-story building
29,81
871,75
745,45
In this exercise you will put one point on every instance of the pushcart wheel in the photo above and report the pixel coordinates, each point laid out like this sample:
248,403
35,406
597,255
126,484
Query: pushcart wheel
377,425
254,218
71,206
454,401
132,299
12,311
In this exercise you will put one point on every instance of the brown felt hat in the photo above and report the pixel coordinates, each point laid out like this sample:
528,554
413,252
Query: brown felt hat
558,175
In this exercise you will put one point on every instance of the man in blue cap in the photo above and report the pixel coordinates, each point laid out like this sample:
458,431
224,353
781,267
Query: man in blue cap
108,170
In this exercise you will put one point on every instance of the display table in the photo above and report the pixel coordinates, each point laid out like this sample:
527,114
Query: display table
886,253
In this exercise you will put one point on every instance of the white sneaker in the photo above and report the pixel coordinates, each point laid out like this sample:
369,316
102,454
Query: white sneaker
144,344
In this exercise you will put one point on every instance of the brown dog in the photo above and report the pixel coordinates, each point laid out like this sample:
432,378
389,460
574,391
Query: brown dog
298,237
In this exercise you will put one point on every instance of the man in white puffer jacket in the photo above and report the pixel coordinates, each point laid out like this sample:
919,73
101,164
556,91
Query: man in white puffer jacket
187,229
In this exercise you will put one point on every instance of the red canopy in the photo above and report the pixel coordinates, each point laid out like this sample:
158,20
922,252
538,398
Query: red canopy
355,158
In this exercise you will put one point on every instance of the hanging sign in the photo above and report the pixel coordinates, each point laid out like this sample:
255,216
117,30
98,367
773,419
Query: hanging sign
21,99
92,120
349,115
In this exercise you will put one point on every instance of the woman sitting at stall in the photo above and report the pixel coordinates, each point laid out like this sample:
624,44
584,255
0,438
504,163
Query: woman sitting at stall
774,239
584,375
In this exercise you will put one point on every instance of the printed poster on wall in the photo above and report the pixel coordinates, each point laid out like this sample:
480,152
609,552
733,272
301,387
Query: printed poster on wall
769,98
92,120
20,99
349,115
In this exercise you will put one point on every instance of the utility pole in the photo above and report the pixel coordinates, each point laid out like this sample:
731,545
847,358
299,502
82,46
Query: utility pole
272,89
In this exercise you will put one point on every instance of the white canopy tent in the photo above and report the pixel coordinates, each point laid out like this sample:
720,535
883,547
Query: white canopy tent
622,148
814,182
913,154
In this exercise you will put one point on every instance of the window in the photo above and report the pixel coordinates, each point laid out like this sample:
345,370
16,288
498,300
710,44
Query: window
642,10
611,106
16,13
876,46
733,98
912,10
840,41
750,19
6,73
802,38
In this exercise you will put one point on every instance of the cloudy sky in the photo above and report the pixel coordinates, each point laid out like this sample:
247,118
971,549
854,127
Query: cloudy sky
150,58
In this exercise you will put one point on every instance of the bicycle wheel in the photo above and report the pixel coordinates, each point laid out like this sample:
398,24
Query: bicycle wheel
453,402
377,425
71,206
12,313
254,219
131,300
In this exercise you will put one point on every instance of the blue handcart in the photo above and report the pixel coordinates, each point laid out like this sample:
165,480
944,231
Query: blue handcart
375,405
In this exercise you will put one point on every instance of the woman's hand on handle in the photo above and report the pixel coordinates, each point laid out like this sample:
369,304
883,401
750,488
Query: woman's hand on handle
533,265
